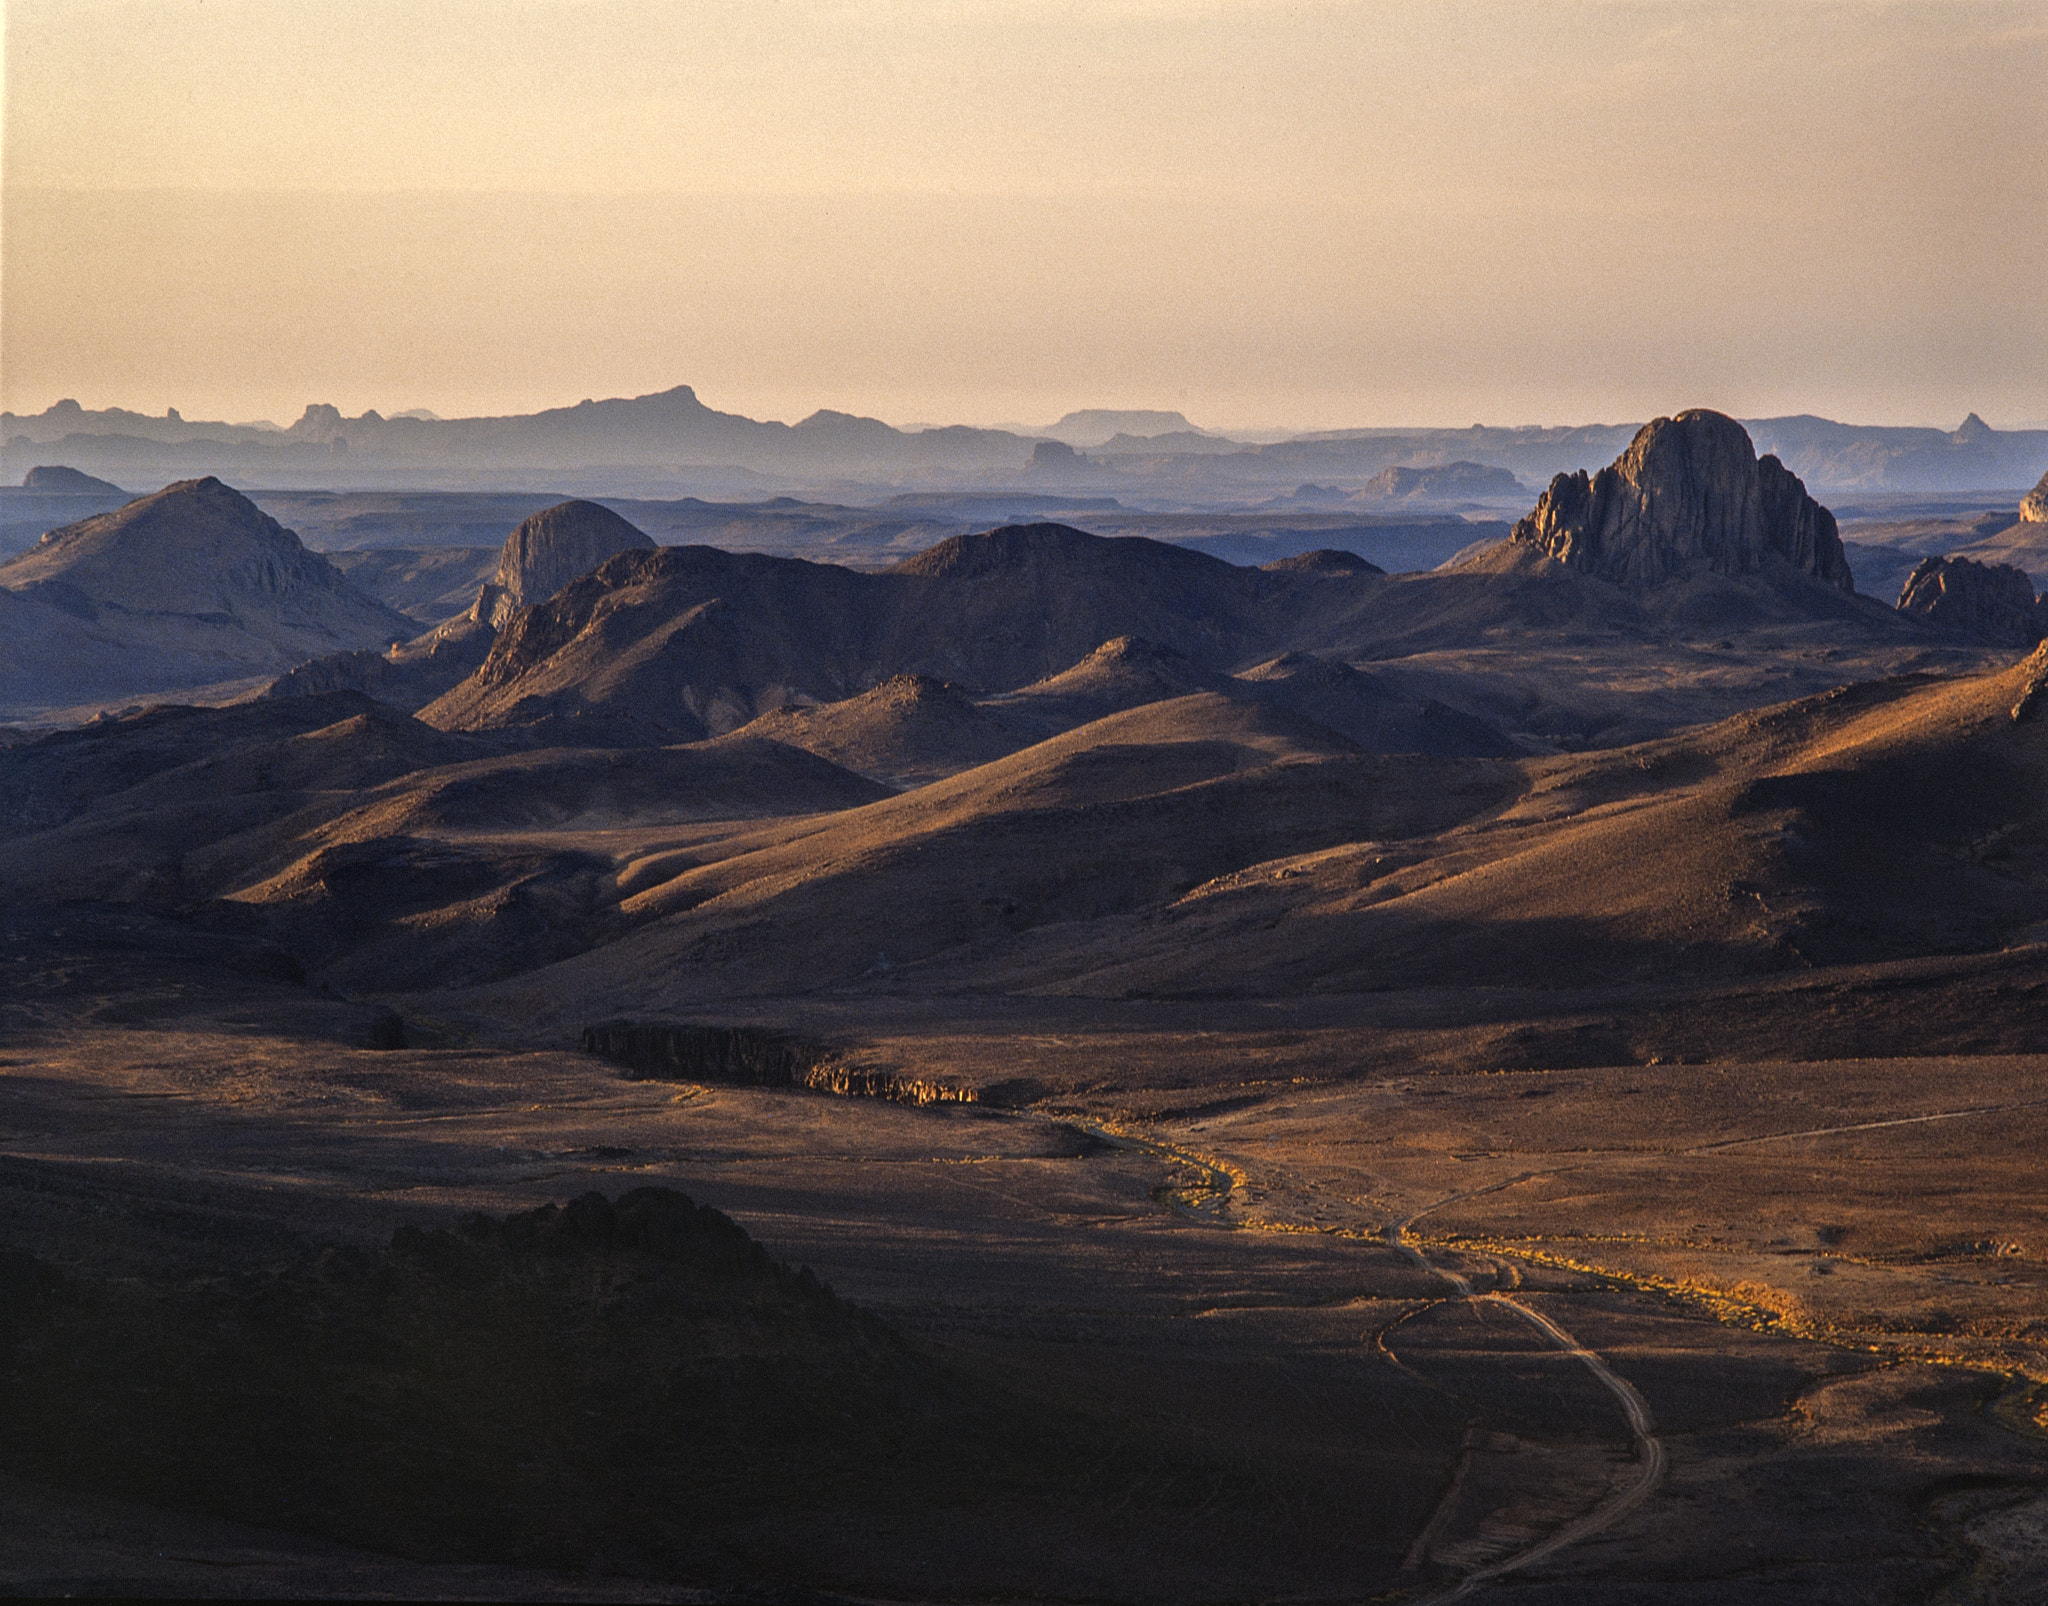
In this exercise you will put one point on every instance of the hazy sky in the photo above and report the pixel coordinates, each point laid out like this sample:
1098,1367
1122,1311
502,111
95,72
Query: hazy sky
1299,213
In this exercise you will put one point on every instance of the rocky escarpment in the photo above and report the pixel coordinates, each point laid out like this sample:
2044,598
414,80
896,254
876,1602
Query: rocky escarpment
1689,496
1992,601
2034,506
560,543
749,1056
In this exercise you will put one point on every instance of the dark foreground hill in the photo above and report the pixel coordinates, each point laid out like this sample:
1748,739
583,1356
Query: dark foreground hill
630,1387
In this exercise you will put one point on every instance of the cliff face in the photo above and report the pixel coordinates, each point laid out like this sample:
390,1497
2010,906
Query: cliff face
1689,496
2034,507
560,543
1992,601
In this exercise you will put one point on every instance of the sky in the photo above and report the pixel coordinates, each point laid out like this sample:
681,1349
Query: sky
1264,213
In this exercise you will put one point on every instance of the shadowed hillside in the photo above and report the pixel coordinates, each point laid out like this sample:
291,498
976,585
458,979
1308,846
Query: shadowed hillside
191,586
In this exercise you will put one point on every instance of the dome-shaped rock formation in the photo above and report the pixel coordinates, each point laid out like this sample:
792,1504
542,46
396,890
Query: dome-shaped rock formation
2034,505
560,543
55,477
1689,496
1991,601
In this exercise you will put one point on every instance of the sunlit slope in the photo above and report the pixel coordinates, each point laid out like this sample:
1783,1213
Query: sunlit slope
1125,814
378,850
909,730
1881,821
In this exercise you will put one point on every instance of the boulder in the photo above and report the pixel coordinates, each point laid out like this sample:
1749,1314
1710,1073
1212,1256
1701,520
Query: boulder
1992,601
1689,496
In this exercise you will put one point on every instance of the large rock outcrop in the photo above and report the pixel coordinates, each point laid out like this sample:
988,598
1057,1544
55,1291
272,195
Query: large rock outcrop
1689,496
559,544
2034,505
1992,601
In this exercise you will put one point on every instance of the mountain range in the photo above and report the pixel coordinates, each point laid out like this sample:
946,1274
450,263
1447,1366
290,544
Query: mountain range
1599,980
672,438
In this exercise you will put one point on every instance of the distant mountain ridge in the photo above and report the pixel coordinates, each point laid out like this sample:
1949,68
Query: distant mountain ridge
669,435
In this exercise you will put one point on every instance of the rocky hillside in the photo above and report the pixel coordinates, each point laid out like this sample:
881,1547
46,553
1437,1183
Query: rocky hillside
693,640
542,555
1689,496
192,586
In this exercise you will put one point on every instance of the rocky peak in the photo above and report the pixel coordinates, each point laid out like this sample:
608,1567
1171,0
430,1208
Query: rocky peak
320,420
202,553
2034,506
1689,496
560,544
1992,601
1972,431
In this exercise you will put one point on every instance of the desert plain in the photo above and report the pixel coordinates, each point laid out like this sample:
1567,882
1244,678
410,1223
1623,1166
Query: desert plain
1521,1079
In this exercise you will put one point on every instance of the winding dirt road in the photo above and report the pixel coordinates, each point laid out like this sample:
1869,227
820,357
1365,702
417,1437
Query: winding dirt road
1205,1198
1650,1458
